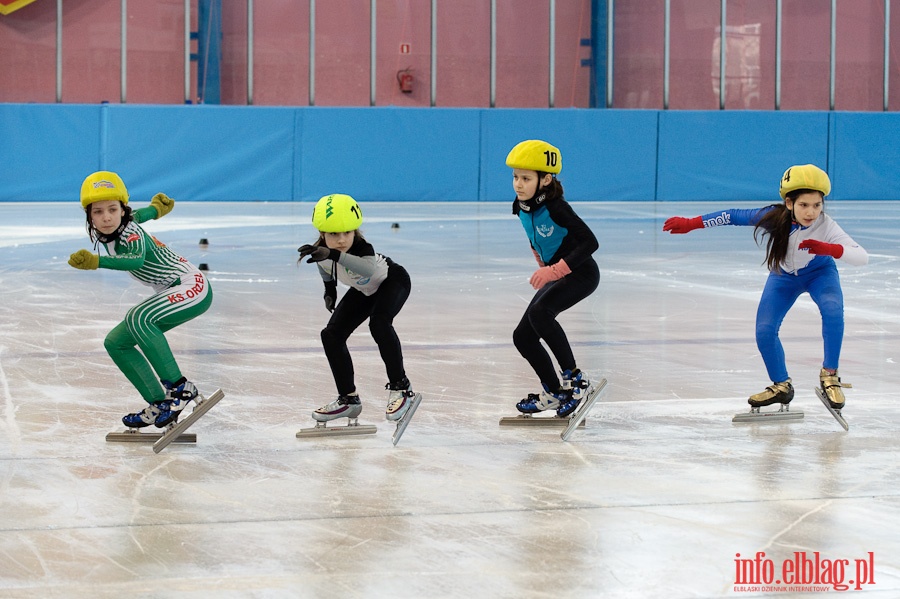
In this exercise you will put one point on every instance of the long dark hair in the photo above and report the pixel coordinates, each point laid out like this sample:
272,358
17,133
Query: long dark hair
776,227
96,235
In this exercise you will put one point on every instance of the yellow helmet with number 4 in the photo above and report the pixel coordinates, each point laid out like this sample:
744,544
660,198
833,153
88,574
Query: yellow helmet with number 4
337,213
535,155
103,185
804,176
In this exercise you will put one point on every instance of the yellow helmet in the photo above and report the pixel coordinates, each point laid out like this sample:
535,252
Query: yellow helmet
337,213
535,155
804,176
103,185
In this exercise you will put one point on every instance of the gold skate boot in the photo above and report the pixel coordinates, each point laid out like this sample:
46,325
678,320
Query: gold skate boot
831,388
782,393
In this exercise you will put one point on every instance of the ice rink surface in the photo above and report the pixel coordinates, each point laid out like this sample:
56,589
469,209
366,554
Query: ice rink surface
655,497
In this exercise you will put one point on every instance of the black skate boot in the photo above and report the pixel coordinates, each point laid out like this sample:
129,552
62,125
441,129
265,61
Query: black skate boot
831,388
782,393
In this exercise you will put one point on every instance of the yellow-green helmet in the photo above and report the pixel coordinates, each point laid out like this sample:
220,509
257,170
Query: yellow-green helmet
535,155
337,213
804,176
103,185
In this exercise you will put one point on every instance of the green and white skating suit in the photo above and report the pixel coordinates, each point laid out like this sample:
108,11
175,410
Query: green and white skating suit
182,293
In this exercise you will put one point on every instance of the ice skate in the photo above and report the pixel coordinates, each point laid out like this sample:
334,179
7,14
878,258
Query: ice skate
577,417
781,393
200,407
536,403
400,396
413,405
831,396
579,386
178,395
345,406
137,421
172,433
145,417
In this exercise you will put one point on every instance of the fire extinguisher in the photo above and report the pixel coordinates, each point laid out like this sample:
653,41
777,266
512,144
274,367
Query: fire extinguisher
405,80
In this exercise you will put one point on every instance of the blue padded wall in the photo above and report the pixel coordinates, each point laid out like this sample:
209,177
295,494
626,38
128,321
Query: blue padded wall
247,153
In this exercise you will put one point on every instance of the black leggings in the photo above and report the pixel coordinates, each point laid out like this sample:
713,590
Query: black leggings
380,308
539,322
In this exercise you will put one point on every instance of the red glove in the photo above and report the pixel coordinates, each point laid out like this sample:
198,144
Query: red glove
679,224
547,274
835,250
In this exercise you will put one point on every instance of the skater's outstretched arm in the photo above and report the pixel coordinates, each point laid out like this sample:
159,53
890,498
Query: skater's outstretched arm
733,216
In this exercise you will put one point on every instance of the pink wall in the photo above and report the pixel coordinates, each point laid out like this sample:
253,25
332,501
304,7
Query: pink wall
155,69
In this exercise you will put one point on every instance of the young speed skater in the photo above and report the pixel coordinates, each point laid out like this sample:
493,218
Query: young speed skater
378,288
181,294
802,246
562,244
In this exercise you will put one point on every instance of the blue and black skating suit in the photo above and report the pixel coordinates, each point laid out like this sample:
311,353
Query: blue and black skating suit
555,233
801,272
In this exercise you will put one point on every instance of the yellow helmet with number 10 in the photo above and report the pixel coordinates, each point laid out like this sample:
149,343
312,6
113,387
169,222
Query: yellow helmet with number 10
103,185
337,213
535,155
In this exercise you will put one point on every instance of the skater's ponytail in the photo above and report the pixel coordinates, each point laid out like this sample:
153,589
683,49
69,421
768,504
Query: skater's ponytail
776,226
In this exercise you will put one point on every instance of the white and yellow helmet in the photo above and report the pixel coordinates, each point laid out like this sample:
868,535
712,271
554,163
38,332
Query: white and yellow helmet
804,176
103,185
337,213
535,155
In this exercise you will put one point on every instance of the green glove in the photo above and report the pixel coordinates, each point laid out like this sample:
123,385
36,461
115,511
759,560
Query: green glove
84,260
163,204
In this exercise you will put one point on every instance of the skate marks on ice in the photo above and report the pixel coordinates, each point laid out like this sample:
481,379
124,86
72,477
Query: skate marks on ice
836,413
581,412
404,421
755,415
173,433
354,428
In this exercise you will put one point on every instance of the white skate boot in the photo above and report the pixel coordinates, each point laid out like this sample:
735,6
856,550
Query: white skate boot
579,386
400,396
345,406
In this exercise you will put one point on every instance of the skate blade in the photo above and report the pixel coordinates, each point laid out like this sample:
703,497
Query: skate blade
200,408
404,421
580,415
523,420
347,430
764,417
133,436
837,415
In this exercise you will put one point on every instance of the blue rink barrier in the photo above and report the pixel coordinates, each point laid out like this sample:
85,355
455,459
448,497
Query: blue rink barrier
249,153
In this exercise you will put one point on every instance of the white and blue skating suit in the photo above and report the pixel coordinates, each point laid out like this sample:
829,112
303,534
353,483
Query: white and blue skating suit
801,272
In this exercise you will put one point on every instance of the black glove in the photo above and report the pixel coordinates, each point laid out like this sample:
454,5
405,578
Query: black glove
316,253
330,295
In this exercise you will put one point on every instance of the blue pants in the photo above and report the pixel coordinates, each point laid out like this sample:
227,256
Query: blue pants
781,291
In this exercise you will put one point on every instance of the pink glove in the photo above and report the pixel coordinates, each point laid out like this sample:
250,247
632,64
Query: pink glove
546,274
680,224
835,250
537,257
